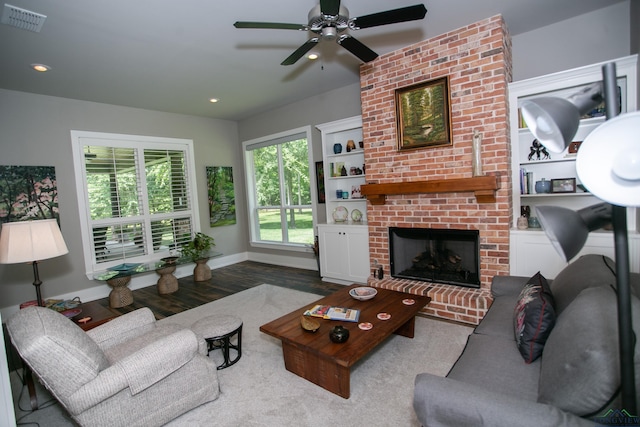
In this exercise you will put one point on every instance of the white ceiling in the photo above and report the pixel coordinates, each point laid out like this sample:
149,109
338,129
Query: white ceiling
175,55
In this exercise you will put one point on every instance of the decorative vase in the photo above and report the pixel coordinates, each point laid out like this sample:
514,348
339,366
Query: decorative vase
523,223
476,152
339,334
202,272
350,145
533,222
337,148
543,186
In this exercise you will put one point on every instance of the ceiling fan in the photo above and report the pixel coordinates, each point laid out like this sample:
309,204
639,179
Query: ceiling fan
329,19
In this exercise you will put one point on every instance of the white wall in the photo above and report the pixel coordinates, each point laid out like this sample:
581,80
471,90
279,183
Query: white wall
586,39
36,132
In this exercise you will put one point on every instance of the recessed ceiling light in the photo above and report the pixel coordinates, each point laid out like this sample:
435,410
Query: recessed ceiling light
40,68
213,100
313,56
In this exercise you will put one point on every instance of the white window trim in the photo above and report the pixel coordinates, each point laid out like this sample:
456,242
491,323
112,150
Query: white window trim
77,138
251,188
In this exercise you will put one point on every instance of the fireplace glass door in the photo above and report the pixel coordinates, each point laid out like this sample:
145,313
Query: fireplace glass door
435,255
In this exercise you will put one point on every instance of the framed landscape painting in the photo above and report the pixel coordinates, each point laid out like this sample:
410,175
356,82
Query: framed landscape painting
423,115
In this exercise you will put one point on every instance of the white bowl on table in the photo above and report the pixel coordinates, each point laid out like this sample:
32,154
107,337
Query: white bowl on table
363,293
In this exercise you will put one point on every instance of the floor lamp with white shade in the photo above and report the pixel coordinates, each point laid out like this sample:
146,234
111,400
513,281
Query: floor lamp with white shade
608,165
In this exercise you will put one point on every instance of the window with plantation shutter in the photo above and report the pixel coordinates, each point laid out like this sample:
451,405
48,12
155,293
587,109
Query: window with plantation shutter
137,197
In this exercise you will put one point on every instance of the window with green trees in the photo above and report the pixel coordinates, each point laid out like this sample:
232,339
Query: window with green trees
279,185
137,202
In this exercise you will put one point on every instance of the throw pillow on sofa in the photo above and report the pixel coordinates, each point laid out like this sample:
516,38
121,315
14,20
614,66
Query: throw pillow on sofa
580,369
533,317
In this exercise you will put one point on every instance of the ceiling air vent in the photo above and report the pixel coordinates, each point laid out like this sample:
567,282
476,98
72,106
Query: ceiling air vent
22,18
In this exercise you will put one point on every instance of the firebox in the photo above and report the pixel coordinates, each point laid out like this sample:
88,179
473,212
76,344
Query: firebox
447,256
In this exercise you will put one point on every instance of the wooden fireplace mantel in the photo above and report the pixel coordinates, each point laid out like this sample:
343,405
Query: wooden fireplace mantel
484,188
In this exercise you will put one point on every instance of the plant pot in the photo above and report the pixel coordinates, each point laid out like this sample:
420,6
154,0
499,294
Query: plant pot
201,272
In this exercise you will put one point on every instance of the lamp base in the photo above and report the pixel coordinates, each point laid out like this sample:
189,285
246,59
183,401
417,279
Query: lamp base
37,282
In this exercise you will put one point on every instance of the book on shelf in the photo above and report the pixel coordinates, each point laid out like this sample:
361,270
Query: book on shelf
334,313
526,182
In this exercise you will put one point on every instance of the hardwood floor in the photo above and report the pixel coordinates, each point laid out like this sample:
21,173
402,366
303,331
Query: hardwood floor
225,281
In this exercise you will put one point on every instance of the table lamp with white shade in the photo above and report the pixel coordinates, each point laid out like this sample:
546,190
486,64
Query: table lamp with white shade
31,242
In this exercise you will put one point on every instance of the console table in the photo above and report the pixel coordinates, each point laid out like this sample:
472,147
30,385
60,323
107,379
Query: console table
118,277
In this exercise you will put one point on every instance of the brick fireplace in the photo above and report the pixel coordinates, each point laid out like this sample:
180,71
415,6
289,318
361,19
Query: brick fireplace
477,59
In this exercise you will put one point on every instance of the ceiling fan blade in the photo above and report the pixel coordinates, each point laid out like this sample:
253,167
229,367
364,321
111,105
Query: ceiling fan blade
404,14
330,7
357,48
270,25
299,53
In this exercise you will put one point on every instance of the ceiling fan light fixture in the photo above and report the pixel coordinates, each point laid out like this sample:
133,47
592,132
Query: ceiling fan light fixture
313,56
214,100
329,33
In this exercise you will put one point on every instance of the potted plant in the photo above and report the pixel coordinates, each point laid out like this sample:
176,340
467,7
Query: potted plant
198,251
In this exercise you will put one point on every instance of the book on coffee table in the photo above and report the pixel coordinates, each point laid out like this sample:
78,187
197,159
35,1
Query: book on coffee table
334,313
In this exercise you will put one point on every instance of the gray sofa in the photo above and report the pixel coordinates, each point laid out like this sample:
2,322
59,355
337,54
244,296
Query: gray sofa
574,382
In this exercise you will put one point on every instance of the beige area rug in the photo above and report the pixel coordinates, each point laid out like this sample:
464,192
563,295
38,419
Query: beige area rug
259,391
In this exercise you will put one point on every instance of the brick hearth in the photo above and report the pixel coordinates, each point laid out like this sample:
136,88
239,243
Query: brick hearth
477,59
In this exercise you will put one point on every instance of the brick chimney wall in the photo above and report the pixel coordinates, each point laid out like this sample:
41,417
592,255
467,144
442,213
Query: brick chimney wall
477,59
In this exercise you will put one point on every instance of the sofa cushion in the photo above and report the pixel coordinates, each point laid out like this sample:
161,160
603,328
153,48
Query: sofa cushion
494,363
587,271
533,317
580,366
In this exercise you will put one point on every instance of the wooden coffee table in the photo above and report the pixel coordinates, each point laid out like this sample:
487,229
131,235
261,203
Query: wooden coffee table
314,357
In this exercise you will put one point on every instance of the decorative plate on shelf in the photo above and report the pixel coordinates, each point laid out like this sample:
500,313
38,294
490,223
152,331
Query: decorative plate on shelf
340,214
356,215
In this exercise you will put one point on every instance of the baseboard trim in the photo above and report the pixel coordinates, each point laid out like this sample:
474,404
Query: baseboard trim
284,260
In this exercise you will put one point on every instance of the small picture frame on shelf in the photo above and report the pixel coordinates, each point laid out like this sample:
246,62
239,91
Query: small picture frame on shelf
574,147
563,185
355,192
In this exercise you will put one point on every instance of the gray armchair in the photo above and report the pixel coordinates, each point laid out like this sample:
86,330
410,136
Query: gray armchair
130,371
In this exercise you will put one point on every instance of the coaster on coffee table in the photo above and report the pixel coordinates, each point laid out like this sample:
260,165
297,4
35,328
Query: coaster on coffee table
384,316
365,326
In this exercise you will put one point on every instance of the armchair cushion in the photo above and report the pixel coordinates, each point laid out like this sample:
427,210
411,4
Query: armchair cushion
158,359
123,328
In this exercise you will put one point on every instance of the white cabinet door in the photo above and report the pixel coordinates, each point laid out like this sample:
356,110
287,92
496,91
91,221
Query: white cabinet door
334,252
358,241
344,253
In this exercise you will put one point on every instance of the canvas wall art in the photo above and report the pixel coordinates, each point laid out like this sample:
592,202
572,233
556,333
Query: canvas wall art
221,193
27,193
